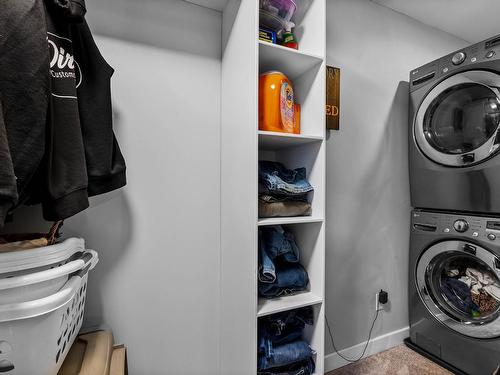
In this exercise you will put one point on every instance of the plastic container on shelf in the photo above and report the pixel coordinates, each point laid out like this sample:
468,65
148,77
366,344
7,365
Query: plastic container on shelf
288,39
36,335
275,14
276,103
296,115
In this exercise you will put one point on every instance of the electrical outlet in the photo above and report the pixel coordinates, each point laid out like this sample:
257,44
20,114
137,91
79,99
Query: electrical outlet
380,301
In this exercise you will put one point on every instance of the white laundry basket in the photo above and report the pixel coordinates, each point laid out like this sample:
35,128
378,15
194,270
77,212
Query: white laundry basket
36,335
30,286
17,262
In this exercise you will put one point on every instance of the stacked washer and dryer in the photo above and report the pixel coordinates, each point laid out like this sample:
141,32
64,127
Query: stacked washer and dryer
454,144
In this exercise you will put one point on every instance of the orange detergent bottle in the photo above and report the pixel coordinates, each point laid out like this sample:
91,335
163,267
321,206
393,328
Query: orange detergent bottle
276,103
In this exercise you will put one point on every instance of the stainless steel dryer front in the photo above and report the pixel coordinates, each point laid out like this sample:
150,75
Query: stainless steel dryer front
454,136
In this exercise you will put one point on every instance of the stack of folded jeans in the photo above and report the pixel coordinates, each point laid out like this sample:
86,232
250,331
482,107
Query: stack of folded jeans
283,192
281,349
280,272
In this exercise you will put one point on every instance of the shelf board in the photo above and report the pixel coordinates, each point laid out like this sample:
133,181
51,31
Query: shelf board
276,141
292,62
271,306
289,220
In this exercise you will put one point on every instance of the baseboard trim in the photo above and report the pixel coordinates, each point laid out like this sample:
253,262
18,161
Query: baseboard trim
378,344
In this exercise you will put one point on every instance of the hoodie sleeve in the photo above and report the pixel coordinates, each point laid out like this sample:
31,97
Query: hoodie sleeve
105,163
8,186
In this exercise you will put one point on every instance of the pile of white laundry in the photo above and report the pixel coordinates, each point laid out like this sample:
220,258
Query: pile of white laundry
484,297
479,281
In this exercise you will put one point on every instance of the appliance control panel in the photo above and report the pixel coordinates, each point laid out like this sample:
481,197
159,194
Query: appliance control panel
461,225
458,58
475,227
480,52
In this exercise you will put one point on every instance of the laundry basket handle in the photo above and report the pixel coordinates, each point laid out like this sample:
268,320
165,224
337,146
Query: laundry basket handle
30,309
87,258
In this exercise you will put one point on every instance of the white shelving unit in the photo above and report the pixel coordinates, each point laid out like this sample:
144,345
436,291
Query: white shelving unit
289,220
270,141
242,146
267,307
292,62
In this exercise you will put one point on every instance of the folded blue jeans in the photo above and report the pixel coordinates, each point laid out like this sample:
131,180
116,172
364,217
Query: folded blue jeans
282,181
290,278
267,340
275,242
285,354
306,367
267,270
283,327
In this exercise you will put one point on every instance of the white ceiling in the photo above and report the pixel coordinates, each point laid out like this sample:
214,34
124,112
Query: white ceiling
471,20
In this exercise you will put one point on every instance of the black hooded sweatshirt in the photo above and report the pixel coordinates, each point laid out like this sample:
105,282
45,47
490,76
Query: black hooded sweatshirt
8,190
105,163
24,88
65,167
80,154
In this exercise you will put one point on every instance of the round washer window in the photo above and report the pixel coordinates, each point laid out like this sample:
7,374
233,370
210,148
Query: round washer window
462,118
464,287
459,284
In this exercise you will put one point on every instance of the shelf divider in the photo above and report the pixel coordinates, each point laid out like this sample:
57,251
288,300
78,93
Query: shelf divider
272,306
289,220
292,62
277,141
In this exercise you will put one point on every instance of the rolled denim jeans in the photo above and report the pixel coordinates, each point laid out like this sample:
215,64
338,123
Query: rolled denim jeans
290,278
286,354
278,242
275,242
267,271
280,180
306,367
267,339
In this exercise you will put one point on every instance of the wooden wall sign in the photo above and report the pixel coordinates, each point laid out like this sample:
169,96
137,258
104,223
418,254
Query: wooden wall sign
332,98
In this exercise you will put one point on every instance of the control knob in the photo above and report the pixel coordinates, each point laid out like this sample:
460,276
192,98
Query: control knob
458,58
461,225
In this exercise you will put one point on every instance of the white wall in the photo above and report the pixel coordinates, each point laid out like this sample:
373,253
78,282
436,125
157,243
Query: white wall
367,170
157,283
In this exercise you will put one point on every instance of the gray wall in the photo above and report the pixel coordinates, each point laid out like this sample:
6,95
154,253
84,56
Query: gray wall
367,171
157,282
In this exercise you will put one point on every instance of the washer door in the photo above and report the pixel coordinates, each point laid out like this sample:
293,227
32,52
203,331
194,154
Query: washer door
452,279
457,123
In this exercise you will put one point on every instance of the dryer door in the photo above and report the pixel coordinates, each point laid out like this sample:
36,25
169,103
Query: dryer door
459,284
457,123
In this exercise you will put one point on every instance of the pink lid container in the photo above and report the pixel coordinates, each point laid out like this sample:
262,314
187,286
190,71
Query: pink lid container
275,14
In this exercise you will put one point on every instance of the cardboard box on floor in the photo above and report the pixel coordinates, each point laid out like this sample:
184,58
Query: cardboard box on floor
119,361
95,354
